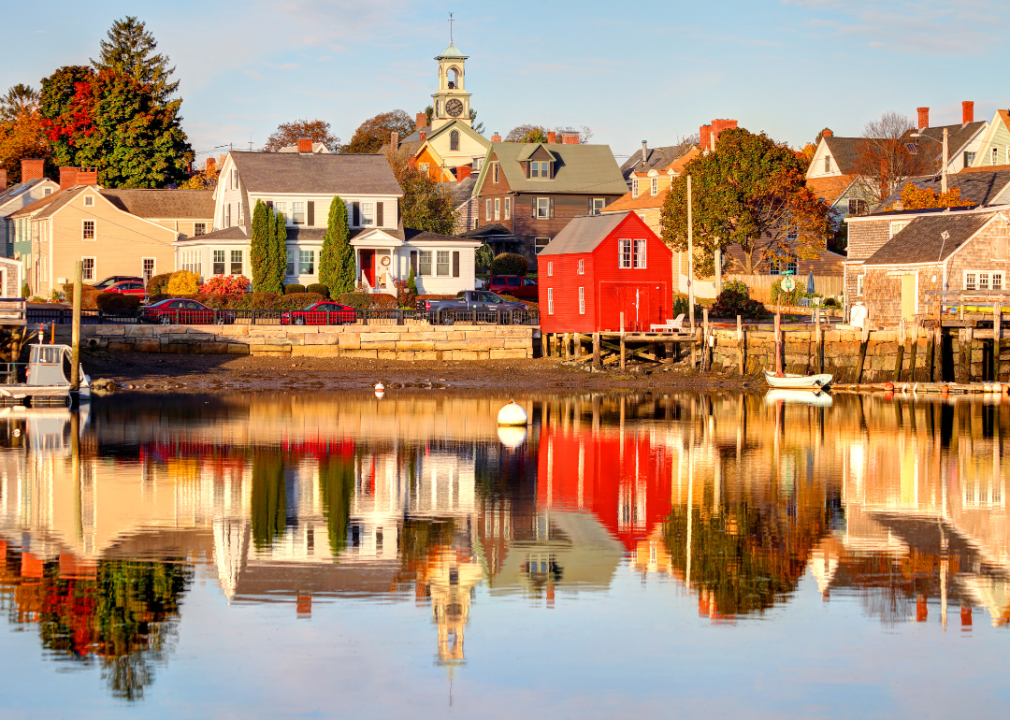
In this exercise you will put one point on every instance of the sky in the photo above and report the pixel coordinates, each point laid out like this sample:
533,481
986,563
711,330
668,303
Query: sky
652,71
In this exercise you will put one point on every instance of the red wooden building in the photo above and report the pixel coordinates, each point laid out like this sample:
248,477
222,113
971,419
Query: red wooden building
600,266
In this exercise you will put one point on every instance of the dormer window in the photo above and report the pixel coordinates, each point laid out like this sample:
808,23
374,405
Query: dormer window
654,190
634,188
540,169
827,163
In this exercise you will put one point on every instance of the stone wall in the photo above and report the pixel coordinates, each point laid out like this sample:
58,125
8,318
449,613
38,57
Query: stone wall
383,342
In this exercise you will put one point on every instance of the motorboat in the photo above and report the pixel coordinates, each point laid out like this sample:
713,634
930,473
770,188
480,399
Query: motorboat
46,380
788,381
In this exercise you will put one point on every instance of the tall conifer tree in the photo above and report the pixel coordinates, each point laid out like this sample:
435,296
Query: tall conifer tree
259,255
130,49
336,260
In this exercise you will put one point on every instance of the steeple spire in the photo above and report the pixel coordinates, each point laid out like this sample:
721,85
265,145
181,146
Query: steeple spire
450,29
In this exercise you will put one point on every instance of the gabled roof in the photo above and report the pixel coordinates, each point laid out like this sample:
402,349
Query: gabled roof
460,191
50,204
17,189
957,137
922,240
655,159
531,150
316,173
829,189
981,188
844,151
582,169
164,204
452,124
494,230
644,201
584,233
411,235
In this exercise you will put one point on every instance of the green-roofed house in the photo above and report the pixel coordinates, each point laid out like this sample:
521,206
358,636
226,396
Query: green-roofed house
534,190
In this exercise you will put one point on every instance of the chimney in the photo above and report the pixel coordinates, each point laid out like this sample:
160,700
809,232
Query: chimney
32,169
705,137
462,172
496,137
211,165
718,126
570,138
3,179
412,163
421,120
68,177
86,176
394,140
923,117
305,145
645,153
552,137
967,112
424,134
827,133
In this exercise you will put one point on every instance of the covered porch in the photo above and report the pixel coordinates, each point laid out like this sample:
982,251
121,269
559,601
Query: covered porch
379,261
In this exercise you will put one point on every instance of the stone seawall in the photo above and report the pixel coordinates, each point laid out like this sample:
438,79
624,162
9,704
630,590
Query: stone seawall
382,342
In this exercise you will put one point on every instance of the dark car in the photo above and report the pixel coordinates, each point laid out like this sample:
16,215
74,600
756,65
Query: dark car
184,312
475,306
127,287
110,281
522,288
321,313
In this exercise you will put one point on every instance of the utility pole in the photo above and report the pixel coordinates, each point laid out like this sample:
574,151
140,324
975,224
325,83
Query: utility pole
690,256
943,170
75,347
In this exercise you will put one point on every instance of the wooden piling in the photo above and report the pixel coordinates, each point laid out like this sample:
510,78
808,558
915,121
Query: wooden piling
819,342
901,351
862,353
75,346
912,354
623,358
706,350
741,346
968,335
778,342
931,358
578,346
597,362
997,340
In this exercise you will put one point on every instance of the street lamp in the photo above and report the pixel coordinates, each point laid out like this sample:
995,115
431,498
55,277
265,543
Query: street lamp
943,170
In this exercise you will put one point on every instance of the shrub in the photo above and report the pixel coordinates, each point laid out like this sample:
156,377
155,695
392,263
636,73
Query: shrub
295,301
115,301
732,302
738,286
384,302
26,291
89,293
55,297
183,282
681,306
225,285
319,289
294,288
509,264
484,257
158,285
404,297
358,301
412,282
831,303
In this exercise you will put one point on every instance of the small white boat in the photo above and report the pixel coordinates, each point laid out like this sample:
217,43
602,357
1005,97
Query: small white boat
788,381
46,379
816,398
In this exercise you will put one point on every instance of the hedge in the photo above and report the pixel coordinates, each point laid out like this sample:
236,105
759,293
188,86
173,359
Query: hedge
158,284
115,301
319,289
367,301
294,288
89,295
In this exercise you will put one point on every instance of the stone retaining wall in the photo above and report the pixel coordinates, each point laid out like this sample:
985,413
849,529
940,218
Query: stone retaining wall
382,342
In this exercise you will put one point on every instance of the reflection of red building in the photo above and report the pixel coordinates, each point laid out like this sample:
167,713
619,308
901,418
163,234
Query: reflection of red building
622,479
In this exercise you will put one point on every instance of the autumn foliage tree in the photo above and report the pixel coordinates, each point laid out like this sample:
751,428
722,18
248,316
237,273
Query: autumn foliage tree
372,134
426,204
206,178
750,193
914,198
22,134
288,134
886,158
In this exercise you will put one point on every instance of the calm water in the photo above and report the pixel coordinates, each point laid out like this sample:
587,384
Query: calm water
676,555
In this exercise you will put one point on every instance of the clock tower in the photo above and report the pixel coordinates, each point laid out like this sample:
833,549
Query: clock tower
452,102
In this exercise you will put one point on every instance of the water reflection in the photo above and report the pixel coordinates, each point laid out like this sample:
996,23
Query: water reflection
731,500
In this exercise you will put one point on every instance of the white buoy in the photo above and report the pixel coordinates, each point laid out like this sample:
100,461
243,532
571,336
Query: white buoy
512,414
17,433
512,436
379,387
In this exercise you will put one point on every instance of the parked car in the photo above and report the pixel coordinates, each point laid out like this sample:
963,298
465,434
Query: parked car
475,305
321,313
523,288
127,287
110,281
184,312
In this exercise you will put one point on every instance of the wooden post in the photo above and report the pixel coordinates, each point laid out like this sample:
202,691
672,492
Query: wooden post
912,355
969,336
597,362
706,352
622,344
75,346
862,352
997,340
819,346
900,355
931,357
778,342
578,346
690,259
741,346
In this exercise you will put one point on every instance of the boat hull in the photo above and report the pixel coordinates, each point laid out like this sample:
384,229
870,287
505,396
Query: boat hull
814,383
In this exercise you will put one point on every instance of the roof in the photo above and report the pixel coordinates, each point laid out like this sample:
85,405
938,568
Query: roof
844,151
163,204
957,136
15,190
317,147
316,173
50,204
583,169
655,159
922,240
460,191
238,232
584,233
494,230
411,235
452,52
981,188
644,201
830,189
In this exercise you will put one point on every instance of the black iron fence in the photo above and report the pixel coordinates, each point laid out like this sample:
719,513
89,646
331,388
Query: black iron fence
64,316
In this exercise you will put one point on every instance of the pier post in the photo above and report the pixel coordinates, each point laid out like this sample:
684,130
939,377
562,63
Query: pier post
597,363
819,346
75,346
565,352
931,356
778,342
623,363
862,353
741,345
706,351
997,340
901,351
912,355
578,346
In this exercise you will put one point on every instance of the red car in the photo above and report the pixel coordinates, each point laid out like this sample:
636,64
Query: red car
321,313
521,288
127,287
184,312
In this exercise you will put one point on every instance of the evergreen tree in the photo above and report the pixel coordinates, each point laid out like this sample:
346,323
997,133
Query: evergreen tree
130,49
337,253
258,244
277,256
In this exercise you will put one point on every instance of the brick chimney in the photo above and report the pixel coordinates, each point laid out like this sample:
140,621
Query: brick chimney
394,140
645,152
68,178
87,176
421,120
967,112
496,137
923,117
424,134
462,172
3,179
32,169
827,133
552,137
211,165
305,145
718,126
705,137
570,138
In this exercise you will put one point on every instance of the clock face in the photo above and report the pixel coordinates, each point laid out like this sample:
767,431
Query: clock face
454,107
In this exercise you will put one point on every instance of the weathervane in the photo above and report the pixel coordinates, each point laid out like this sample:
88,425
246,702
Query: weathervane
450,28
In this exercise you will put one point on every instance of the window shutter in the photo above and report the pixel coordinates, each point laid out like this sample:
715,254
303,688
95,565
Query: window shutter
357,213
413,261
455,264
550,214
378,215
527,166
312,213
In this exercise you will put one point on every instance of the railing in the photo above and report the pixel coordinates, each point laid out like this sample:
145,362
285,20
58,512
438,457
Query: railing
12,311
400,316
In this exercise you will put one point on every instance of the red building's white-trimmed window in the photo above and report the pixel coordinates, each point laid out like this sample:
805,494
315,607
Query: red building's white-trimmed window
640,245
550,301
550,269
582,267
582,301
624,253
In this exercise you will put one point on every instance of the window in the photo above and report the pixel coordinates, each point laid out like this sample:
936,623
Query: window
898,225
234,179
88,230
857,206
454,140
367,214
550,301
640,245
191,261
290,270
624,254
543,208
424,263
969,158
995,156
487,209
859,285
582,301
970,281
540,243
997,281
236,262
508,208
494,166
89,201
147,266
983,281
199,229
281,208
634,187
442,264
1008,154
219,262
550,269
423,167
827,163
298,213
540,169
227,215
598,205
306,262
775,267
241,213
89,269
48,191
654,189
582,267
497,208
478,163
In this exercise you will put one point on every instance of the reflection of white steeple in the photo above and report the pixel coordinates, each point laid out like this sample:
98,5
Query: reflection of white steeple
231,546
823,564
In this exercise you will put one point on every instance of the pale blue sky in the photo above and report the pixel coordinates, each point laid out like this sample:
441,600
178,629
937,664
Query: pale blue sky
639,71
